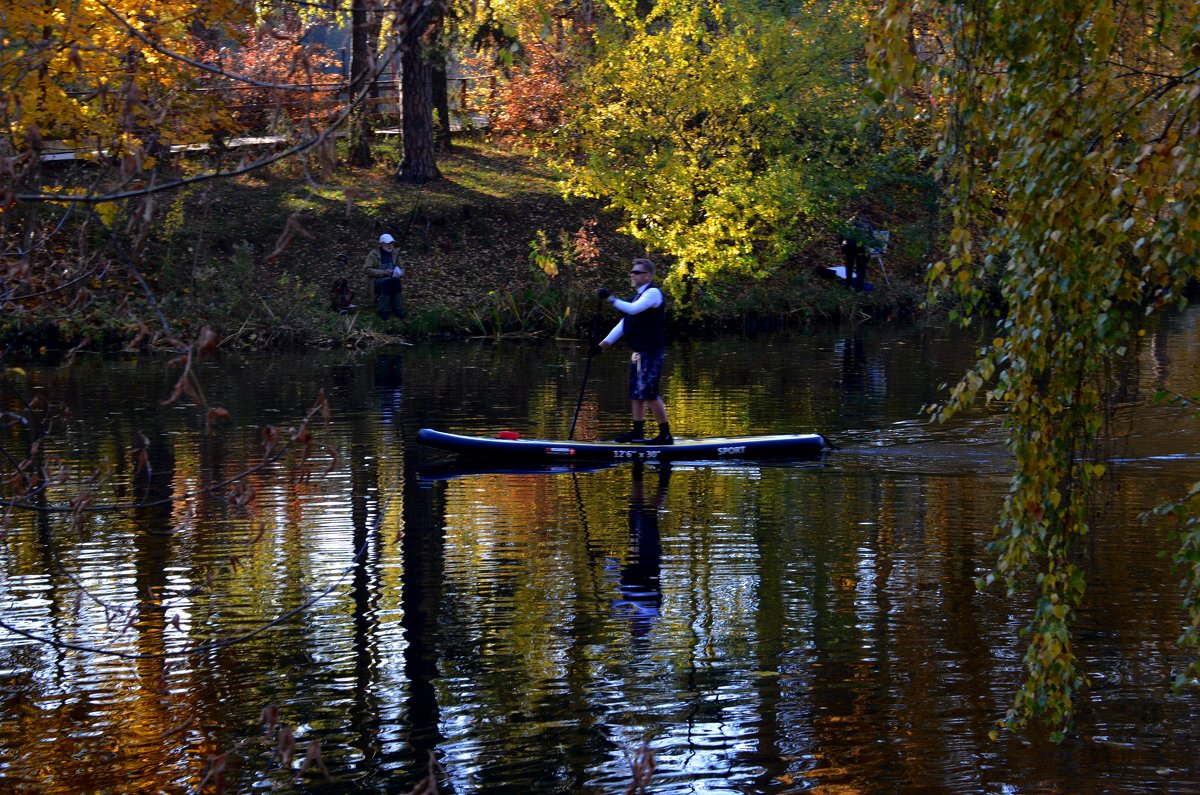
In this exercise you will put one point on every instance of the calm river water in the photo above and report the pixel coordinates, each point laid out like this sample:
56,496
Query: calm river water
756,628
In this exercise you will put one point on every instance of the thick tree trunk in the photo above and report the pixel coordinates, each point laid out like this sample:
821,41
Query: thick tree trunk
360,71
420,164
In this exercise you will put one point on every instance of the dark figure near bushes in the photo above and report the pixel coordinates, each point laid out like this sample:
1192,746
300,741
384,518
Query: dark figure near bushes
857,239
341,295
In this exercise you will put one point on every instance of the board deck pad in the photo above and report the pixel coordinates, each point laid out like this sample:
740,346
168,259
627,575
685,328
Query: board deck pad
808,445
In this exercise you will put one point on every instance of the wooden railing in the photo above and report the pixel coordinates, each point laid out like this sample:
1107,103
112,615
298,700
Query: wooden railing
464,95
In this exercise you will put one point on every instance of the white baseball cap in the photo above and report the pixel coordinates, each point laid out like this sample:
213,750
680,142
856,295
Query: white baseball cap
386,238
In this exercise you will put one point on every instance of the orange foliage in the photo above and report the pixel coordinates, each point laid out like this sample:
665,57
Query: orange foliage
275,55
535,94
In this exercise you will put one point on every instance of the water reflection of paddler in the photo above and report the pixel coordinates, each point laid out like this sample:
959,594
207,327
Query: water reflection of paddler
389,384
641,591
854,363
860,373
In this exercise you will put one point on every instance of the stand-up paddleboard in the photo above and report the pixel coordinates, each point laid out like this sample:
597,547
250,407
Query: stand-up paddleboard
804,445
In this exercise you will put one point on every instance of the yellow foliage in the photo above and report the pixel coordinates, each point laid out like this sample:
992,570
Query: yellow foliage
1073,154
107,212
712,126
91,75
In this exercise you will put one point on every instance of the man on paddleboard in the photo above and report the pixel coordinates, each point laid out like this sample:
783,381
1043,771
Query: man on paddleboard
642,327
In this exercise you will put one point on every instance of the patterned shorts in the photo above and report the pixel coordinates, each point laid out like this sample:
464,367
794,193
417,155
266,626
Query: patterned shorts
644,369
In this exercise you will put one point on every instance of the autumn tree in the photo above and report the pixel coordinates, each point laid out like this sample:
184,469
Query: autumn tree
275,56
97,80
1069,142
84,74
118,85
721,130
536,95
537,53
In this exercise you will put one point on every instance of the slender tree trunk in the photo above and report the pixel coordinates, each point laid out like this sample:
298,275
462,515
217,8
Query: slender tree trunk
441,101
420,164
374,28
360,70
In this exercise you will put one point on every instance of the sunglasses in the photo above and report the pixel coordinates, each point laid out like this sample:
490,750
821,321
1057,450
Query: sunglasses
637,273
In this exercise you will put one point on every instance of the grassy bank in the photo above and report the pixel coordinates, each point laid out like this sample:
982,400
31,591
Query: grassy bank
254,258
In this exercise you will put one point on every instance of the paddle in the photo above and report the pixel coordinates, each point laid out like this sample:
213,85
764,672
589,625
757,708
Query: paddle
595,330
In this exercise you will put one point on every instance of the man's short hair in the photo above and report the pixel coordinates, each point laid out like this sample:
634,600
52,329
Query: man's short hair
644,264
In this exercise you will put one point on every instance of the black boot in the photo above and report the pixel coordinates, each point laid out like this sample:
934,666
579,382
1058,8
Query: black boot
636,435
664,435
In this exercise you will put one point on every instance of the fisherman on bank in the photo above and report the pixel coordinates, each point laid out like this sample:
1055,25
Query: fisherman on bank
643,327
384,268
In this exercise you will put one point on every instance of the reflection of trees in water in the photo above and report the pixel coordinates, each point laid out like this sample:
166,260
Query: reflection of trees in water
389,385
364,477
420,536
158,561
423,556
842,595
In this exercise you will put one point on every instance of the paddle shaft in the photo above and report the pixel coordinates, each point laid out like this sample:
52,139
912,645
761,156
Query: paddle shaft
587,367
